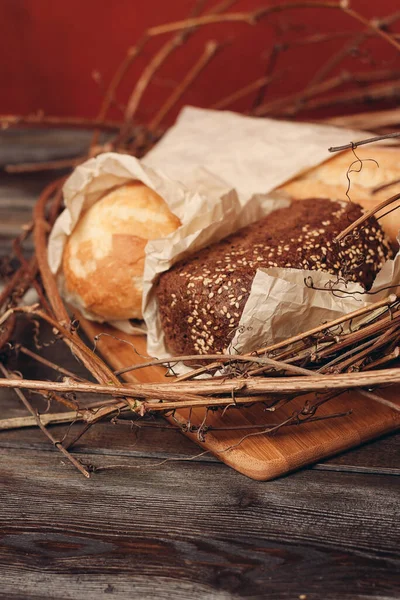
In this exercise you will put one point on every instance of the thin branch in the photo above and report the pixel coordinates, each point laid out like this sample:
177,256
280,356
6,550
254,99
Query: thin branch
298,97
356,337
114,84
359,358
184,29
353,145
337,57
291,105
243,92
152,466
55,207
210,49
384,186
6,330
271,66
31,272
374,26
366,216
379,399
194,390
47,363
220,359
349,47
384,359
156,62
296,419
250,18
47,419
19,281
371,120
7,121
371,93
200,21
94,363
37,418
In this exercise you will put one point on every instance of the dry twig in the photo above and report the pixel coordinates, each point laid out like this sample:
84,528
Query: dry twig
37,418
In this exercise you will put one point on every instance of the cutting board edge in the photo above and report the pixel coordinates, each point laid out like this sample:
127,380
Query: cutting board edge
283,466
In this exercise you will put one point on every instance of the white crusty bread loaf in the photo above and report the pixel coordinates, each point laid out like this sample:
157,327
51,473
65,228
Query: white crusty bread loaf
103,259
329,181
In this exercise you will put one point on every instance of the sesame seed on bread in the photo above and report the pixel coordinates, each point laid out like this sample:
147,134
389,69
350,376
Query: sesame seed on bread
202,297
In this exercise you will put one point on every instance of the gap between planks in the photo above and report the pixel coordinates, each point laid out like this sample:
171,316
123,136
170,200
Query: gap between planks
12,446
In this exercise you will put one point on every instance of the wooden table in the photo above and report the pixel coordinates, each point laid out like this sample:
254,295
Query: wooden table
190,528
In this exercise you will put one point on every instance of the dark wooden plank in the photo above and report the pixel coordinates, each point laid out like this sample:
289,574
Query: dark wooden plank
188,530
18,194
381,456
111,440
40,145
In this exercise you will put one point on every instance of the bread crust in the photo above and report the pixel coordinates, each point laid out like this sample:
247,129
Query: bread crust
380,166
201,299
103,259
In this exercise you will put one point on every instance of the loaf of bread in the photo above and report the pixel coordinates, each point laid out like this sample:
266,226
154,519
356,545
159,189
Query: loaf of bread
103,259
202,298
377,180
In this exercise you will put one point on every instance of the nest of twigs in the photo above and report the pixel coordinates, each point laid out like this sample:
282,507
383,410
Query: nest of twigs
357,351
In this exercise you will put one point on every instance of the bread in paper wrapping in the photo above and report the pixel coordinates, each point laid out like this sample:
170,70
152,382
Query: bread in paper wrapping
182,220
260,156
202,298
103,259
329,181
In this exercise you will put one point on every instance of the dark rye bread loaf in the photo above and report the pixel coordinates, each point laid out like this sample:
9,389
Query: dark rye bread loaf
202,298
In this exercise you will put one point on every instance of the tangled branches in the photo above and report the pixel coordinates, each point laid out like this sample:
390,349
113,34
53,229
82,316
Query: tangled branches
352,352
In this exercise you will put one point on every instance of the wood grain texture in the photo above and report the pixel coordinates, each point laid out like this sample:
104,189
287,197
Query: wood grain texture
17,198
188,530
194,531
262,457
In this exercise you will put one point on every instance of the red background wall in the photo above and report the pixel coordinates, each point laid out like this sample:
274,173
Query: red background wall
50,48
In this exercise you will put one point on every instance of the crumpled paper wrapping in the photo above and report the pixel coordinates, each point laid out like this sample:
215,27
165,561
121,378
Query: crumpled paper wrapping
252,155
204,217
194,168
283,303
280,298
160,256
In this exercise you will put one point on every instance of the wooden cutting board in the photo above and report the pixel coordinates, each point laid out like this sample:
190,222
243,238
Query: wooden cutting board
262,457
